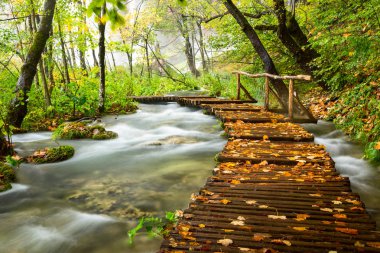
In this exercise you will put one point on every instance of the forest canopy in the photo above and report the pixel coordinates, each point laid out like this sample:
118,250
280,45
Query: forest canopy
63,59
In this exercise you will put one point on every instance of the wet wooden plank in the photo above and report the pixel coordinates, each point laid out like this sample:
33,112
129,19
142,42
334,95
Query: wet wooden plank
273,191
250,117
271,131
212,108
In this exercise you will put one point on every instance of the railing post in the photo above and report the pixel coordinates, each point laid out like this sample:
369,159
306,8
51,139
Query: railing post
291,91
266,98
238,86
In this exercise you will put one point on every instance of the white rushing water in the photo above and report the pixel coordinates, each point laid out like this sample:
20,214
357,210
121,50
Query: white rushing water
88,203
348,158
163,154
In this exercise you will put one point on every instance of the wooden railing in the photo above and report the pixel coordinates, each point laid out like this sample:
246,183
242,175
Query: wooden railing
267,89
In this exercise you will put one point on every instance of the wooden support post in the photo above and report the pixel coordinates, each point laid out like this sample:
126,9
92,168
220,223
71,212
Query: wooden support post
291,91
266,101
238,86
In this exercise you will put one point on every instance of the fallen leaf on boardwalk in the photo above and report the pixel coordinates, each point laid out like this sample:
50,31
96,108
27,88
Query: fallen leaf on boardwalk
234,181
257,237
263,206
326,222
225,242
336,202
265,138
300,228
340,216
240,218
248,162
208,192
355,202
359,244
225,201
301,217
316,195
341,223
374,244
188,215
227,172
202,225
251,202
300,180
179,213
228,230
277,217
333,251
265,162
326,210
357,208
238,223
244,249
350,231
339,209
279,241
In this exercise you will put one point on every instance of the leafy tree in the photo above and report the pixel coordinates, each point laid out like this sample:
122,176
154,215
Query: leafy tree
105,10
18,106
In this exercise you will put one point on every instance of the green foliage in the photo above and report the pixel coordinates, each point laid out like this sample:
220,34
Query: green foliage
154,226
51,155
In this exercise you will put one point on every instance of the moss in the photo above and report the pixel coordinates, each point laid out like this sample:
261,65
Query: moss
79,130
7,175
51,155
104,135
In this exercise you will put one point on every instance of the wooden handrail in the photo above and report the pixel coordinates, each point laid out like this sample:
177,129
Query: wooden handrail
268,89
298,77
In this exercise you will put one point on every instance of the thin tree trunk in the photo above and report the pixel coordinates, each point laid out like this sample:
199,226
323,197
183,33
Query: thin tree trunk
18,106
202,47
147,58
45,84
188,47
64,57
82,50
96,63
269,66
113,60
102,54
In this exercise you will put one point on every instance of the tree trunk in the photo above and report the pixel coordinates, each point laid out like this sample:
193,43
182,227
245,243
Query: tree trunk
18,106
269,66
102,54
147,58
202,47
5,148
96,63
82,49
64,57
295,40
45,84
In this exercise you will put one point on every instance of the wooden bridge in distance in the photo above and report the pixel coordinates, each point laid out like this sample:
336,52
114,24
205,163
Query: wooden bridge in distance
274,190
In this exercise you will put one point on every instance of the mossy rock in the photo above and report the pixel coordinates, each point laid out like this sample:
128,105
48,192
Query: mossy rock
51,155
104,135
79,130
7,175
72,130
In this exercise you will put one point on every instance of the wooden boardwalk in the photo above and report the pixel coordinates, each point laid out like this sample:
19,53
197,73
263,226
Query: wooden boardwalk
274,190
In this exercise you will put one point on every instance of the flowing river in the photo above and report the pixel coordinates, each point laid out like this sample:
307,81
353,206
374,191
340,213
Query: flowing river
163,154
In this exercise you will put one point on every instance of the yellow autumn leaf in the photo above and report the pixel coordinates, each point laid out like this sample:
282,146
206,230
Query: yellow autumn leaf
300,228
225,201
202,225
340,216
234,181
302,217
